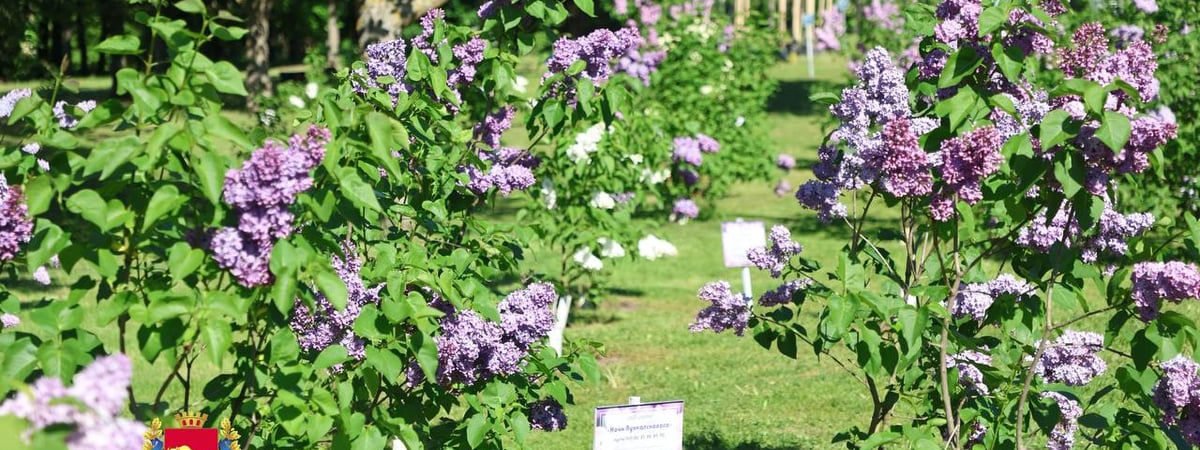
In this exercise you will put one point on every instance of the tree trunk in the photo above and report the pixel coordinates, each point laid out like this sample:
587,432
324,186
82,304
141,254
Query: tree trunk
382,19
333,37
258,80
81,42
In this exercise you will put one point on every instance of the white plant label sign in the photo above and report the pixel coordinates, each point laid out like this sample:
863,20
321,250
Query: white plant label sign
738,238
646,426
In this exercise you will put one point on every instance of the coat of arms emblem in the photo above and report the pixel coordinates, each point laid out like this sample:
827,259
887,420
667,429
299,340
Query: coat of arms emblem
191,434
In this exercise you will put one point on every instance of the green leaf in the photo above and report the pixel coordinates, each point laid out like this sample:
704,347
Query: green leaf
218,336
825,98
225,33
124,44
226,79
1010,60
477,429
992,19
838,315
380,129
359,191
1053,130
587,7
191,6
1114,131
48,240
333,287
111,154
333,354
960,65
220,126
89,205
183,260
38,194
165,200
385,361
211,171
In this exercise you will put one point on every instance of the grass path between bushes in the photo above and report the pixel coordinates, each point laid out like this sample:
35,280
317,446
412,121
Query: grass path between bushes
736,395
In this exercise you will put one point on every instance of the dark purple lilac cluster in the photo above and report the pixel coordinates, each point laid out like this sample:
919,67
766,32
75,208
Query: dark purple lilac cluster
783,294
1177,395
1072,358
92,406
261,193
903,165
959,21
390,59
1154,282
323,325
596,49
728,311
1026,35
966,161
473,349
969,376
1062,437
974,299
547,415
775,257
16,227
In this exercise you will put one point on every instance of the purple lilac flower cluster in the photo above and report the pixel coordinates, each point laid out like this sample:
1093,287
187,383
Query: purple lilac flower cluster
9,101
685,208
390,59
774,258
1072,359
16,227
260,193
1030,110
1146,6
966,161
1154,282
833,25
547,415
99,393
728,311
783,294
1177,395
692,8
785,161
1026,35
885,14
1113,231
783,188
974,299
9,320
1126,34
959,20
323,325
1062,437
596,49
472,349
969,376
890,156
687,150
511,168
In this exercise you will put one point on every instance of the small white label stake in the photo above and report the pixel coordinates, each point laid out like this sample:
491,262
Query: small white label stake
562,309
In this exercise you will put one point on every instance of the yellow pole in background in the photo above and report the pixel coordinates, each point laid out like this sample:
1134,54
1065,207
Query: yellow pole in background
781,16
810,7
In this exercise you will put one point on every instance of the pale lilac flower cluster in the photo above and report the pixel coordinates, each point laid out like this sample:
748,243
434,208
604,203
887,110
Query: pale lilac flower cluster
596,49
261,193
547,415
67,121
9,320
687,150
707,144
969,376
1072,358
323,325
1177,395
642,61
387,59
1090,59
884,14
783,294
91,406
469,55
390,59
974,299
728,310
692,8
494,125
472,349
783,188
16,227
1146,6
1154,282
833,25
1112,232
785,161
1030,110
686,208
774,258
959,21
966,161
511,171
41,275
9,101
1062,437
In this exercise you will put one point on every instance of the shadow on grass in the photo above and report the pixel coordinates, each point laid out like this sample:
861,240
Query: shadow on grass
710,440
792,97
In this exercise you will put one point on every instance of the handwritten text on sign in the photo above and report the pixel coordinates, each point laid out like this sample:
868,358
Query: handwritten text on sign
737,238
647,426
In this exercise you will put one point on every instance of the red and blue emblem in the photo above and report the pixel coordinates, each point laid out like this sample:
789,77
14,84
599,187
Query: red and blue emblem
191,435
